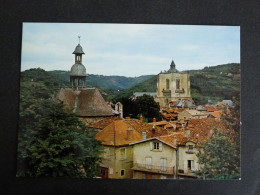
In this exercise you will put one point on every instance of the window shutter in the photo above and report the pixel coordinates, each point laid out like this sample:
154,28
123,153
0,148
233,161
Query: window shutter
185,165
192,165
151,145
160,146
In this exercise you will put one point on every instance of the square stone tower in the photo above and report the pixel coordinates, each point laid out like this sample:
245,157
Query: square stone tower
172,86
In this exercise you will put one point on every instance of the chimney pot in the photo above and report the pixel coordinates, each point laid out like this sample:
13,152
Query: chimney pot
174,140
141,118
144,135
154,120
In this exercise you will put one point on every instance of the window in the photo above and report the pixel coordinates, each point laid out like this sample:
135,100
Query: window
167,84
106,153
122,172
122,153
156,146
190,148
163,164
148,162
177,83
191,164
163,177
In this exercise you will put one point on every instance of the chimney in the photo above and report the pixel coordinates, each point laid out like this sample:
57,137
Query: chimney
144,135
174,140
129,133
187,133
153,131
141,118
127,118
154,120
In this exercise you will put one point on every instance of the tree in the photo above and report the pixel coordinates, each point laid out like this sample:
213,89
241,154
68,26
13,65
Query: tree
53,142
219,157
148,107
130,108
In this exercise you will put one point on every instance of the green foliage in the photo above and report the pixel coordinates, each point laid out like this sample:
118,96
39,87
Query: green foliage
214,83
209,83
220,157
144,105
53,142
130,107
148,107
232,119
106,82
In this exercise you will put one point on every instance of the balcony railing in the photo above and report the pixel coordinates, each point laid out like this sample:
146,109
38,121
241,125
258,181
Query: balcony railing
153,168
166,92
179,91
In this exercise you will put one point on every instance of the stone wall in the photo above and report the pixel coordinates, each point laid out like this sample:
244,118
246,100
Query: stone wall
172,87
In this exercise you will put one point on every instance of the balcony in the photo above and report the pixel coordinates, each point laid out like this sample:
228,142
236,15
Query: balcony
167,92
180,91
153,169
189,152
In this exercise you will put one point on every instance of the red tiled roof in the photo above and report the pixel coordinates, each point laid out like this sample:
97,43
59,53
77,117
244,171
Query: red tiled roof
169,138
115,134
211,108
216,114
103,123
200,129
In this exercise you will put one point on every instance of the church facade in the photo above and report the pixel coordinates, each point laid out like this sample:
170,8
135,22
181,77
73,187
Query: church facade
172,85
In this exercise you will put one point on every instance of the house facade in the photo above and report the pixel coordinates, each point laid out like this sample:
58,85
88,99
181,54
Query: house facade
153,159
116,138
187,160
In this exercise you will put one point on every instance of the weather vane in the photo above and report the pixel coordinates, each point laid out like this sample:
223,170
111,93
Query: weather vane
79,39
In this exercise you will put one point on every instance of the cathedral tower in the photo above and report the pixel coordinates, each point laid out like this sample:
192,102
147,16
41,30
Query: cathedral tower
172,85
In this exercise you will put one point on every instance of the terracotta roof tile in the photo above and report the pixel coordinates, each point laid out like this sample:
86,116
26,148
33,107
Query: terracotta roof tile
216,114
200,129
170,138
210,108
115,134
103,123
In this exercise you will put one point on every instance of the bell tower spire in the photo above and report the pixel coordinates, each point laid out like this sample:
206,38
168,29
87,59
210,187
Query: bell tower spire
78,70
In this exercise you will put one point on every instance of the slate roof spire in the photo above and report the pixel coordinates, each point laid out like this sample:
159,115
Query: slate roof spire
172,68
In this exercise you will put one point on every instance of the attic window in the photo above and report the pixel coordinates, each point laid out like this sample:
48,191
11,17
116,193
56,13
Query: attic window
156,146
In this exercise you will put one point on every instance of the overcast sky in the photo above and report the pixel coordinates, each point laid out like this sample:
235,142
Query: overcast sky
128,49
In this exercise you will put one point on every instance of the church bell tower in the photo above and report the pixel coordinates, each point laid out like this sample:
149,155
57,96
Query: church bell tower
78,70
